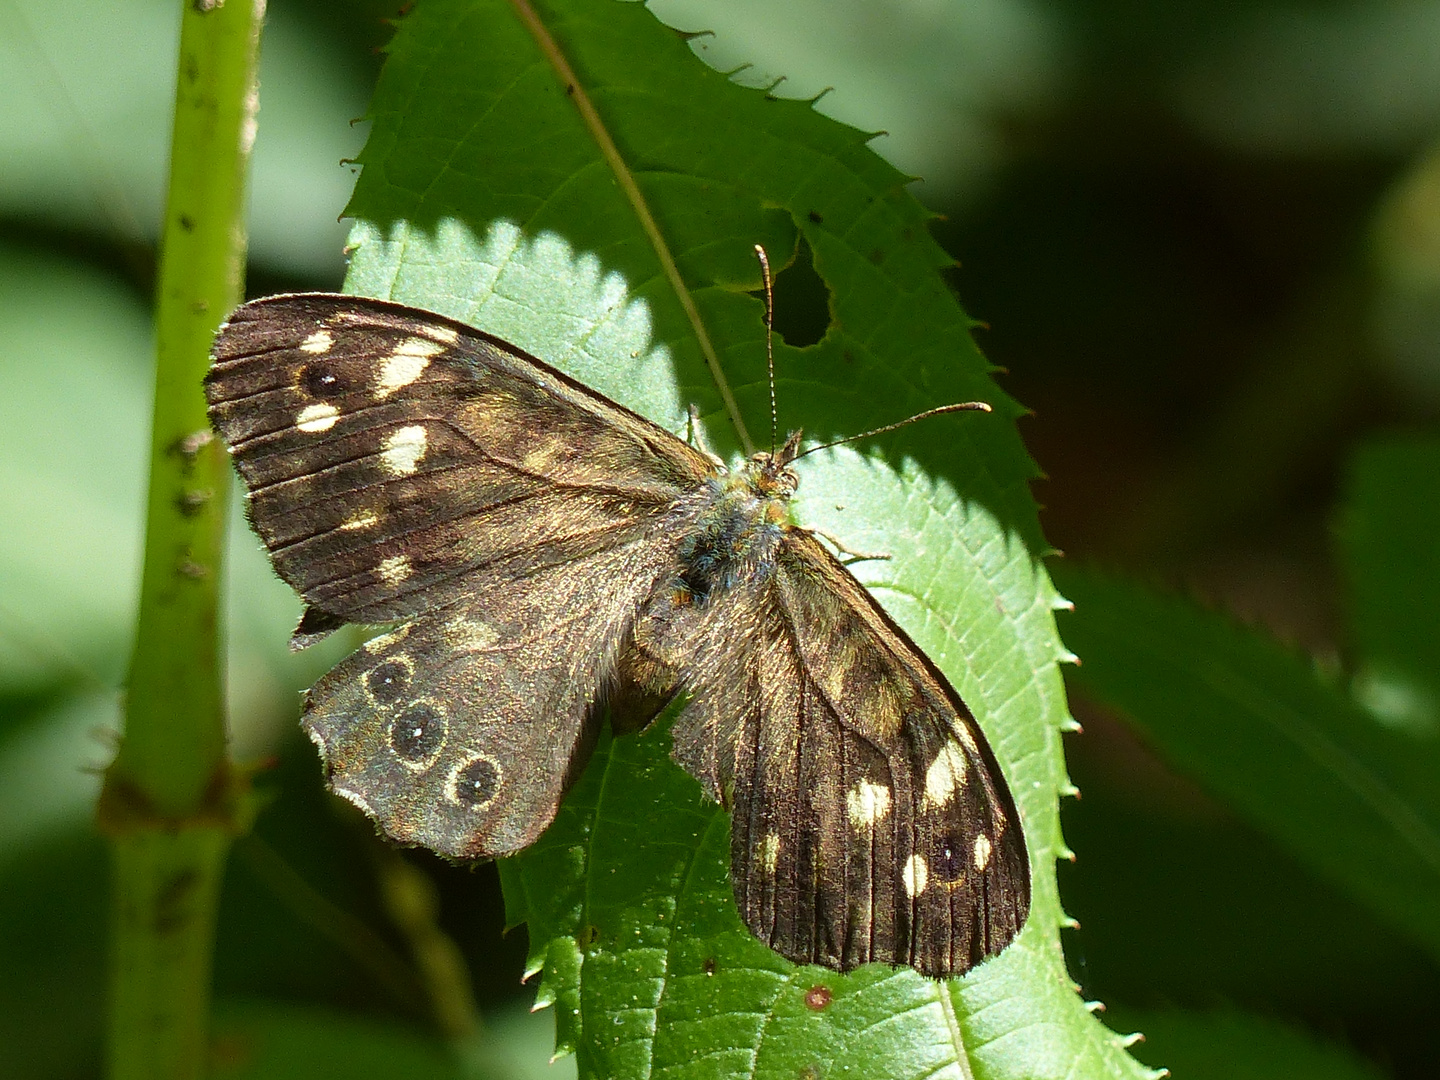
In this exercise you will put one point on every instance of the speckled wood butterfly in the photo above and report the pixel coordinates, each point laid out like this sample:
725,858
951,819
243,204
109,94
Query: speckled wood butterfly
547,555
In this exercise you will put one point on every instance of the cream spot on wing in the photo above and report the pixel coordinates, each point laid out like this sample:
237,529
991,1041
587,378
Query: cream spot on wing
915,876
770,852
363,520
403,450
867,804
395,569
406,364
982,852
446,335
384,641
542,455
470,634
316,418
317,343
945,776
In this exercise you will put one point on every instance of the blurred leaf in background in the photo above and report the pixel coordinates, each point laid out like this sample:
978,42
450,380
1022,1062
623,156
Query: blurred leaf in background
1203,236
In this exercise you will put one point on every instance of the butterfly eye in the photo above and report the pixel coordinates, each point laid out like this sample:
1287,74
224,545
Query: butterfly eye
417,734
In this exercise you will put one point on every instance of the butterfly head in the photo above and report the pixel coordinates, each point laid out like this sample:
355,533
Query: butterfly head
770,474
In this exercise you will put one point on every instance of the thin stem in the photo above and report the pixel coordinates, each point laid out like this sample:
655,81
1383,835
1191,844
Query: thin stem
171,800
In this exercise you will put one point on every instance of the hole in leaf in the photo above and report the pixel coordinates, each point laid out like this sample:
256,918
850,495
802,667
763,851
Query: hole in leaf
802,301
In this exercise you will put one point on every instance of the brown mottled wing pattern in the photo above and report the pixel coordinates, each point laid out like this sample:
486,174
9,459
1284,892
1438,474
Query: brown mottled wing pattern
462,729
396,460
871,821
402,466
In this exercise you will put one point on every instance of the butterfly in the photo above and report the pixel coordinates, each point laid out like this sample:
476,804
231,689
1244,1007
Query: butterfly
546,557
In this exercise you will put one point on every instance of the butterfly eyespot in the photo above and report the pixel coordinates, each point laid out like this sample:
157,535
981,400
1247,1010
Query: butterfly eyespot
388,682
319,380
417,734
949,861
474,784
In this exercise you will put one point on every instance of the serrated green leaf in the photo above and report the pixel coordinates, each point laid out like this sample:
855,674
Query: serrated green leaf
485,196
1389,545
1257,724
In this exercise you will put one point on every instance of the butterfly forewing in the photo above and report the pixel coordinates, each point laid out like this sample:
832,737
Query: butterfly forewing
396,460
871,821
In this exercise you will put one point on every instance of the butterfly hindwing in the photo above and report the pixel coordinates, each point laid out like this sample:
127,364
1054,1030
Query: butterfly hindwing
461,729
397,460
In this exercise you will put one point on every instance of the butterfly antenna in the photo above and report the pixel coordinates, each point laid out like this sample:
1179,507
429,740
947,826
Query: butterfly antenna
961,406
769,339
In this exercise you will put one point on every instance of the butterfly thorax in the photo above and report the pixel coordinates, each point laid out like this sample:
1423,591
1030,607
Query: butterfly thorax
737,526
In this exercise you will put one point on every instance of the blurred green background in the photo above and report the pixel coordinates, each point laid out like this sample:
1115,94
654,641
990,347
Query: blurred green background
1205,237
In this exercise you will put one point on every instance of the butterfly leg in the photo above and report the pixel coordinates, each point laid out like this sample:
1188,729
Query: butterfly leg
838,545
695,435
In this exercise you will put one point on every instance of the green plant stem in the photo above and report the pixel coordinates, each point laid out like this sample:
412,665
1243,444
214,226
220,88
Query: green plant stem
171,800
